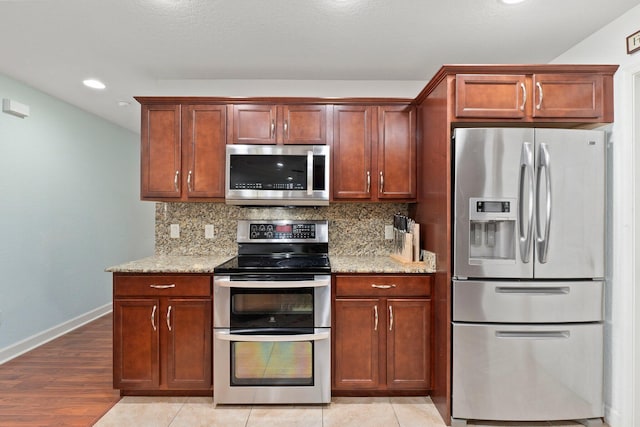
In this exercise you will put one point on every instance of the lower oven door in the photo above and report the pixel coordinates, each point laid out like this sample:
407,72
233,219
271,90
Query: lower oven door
272,366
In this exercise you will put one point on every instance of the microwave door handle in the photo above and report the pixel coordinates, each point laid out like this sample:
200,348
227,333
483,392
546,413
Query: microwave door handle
310,173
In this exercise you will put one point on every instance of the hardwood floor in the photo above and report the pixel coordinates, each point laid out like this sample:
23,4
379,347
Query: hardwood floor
66,382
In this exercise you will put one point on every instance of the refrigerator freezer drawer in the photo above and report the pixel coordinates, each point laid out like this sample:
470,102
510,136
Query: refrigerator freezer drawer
525,372
527,302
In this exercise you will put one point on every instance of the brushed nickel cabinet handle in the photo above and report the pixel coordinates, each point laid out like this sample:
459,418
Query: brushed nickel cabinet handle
189,180
391,318
539,86
375,316
368,181
172,285
381,181
153,317
286,129
169,318
524,96
373,285
273,128
175,180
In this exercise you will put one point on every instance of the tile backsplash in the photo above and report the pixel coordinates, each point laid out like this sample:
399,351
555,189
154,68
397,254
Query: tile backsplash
354,228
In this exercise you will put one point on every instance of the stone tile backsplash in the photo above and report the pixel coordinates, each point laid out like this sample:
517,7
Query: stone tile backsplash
354,228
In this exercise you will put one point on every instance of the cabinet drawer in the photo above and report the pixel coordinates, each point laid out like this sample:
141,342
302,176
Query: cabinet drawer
383,285
162,285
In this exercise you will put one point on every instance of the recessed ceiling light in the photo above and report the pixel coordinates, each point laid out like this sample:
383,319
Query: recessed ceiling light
511,1
94,84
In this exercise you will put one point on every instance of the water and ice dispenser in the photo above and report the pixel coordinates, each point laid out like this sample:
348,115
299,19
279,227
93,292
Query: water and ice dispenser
492,230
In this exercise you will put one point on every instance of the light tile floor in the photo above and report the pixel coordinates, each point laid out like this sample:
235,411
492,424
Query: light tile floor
341,412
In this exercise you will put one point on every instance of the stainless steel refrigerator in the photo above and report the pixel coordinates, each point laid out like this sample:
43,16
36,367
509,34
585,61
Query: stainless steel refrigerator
528,287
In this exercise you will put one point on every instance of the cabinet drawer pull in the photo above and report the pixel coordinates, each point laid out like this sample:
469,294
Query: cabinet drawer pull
153,317
373,285
169,318
375,316
172,285
381,181
524,96
273,129
391,318
368,181
189,180
175,181
286,129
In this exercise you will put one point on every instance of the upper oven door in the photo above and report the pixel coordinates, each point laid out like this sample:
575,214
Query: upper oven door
277,175
303,302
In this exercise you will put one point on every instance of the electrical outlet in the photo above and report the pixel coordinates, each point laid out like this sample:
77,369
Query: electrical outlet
209,231
388,232
174,231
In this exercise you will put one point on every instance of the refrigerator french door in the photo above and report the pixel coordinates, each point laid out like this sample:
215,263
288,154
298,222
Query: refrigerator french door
529,230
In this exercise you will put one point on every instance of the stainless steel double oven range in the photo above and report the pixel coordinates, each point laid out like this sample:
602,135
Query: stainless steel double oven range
272,315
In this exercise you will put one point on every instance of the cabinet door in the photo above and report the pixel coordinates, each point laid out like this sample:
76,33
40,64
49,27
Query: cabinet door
160,152
408,343
491,96
304,124
396,153
356,346
188,345
254,124
203,143
352,154
568,95
135,344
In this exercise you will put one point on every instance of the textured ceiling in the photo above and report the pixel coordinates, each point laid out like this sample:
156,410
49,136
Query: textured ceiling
186,47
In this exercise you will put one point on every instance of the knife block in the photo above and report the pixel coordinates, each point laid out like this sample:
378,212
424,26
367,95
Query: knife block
410,250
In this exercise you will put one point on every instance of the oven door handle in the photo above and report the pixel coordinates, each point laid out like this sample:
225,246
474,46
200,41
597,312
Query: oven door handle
286,284
228,336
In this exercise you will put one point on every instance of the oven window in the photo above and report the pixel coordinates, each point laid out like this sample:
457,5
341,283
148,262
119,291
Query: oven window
282,363
272,308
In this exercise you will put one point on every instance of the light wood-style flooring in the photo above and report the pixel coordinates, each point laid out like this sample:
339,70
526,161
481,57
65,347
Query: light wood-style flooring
65,382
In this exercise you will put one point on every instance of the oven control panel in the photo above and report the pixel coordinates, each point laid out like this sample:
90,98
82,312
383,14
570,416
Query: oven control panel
282,231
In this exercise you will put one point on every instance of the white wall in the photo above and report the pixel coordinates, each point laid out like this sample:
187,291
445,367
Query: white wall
69,207
608,46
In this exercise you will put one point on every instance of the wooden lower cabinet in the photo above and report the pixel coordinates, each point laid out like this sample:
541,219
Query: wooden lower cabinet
382,341
162,334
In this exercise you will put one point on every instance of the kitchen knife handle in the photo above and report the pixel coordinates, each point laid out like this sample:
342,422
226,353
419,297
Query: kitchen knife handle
368,181
169,318
153,317
539,86
524,96
375,317
381,181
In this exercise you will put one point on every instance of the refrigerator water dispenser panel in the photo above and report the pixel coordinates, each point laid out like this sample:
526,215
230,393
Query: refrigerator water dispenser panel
492,230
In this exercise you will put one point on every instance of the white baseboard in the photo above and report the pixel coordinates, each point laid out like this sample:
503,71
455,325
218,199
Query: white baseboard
43,337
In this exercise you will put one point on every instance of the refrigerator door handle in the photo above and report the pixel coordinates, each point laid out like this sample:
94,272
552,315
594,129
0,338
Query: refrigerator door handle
525,177
542,242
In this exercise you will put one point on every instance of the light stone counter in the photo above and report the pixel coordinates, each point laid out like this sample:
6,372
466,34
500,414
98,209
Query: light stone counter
379,264
171,264
206,264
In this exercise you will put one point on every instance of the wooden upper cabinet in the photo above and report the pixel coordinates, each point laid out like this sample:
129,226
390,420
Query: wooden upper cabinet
396,152
353,172
161,156
568,95
540,96
203,147
183,151
278,124
488,95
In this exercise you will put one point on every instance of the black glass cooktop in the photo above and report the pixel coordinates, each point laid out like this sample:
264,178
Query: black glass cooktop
270,263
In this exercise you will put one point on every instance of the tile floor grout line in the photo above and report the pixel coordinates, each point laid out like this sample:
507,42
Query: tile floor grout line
177,412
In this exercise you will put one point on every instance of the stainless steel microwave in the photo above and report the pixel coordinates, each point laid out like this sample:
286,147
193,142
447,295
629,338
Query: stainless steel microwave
277,175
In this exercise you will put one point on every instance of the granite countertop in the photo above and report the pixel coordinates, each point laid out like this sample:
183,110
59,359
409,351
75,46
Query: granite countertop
206,264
